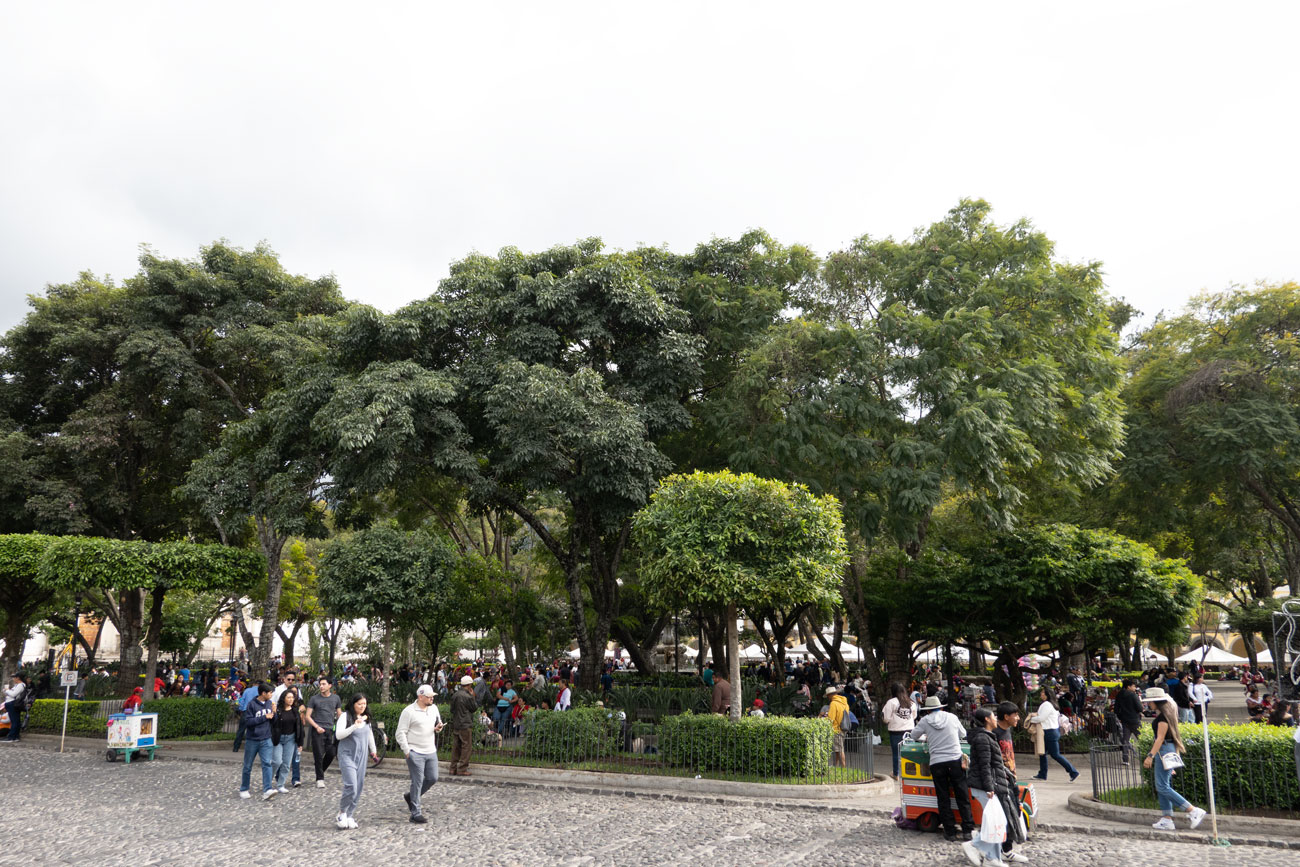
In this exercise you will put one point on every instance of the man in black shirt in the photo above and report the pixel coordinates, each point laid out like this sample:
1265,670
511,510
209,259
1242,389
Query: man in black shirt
1128,709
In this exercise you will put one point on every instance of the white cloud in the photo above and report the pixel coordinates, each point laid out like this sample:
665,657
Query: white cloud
381,142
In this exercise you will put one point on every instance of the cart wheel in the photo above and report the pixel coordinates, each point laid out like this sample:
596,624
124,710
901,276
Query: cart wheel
928,821
111,756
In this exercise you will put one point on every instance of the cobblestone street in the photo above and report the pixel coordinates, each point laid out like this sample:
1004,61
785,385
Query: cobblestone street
78,809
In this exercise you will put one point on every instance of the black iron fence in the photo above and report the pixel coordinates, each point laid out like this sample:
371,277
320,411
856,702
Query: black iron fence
616,746
1243,784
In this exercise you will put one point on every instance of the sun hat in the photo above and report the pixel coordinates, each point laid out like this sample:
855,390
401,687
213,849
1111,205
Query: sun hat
931,703
466,680
1155,694
830,690
424,689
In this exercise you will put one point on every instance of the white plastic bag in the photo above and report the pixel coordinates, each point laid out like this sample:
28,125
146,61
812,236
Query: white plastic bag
993,827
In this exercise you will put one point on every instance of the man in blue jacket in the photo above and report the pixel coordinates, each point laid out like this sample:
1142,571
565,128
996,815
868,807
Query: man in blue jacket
249,693
257,729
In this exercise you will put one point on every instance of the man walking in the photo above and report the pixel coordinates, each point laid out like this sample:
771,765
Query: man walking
257,726
417,730
943,734
322,712
1128,710
463,707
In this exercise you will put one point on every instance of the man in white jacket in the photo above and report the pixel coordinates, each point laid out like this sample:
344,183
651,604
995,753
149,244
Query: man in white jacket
417,731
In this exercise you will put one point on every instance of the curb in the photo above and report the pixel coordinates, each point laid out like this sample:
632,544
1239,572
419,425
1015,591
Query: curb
1238,830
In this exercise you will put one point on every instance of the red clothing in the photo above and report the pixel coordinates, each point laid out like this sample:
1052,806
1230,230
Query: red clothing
132,703
158,686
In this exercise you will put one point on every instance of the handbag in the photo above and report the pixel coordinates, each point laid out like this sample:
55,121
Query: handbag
1171,760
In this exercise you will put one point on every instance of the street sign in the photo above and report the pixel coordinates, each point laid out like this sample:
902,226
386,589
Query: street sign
68,678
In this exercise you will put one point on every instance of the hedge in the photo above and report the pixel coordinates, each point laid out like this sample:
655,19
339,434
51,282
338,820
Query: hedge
1254,766
576,735
767,747
188,717
47,715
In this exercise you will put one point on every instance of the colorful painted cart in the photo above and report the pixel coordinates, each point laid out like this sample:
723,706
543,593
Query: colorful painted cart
131,733
921,804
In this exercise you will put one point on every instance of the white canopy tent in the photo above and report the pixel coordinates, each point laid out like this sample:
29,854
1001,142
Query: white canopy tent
935,654
1264,657
753,653
1149,655
848,651
1211,656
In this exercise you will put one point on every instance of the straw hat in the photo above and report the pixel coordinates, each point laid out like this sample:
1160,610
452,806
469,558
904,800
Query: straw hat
1155,694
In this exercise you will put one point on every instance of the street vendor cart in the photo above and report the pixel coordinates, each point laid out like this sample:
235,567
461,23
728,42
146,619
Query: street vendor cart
921,804
131,733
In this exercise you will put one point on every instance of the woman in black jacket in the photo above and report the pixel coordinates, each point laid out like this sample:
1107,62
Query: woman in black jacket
989,778
287,733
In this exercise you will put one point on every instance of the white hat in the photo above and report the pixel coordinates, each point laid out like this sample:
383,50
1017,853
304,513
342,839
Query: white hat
830,690
1155,694
424,689
466,680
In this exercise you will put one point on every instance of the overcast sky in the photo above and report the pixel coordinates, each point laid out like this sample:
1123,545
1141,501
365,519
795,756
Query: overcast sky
381,142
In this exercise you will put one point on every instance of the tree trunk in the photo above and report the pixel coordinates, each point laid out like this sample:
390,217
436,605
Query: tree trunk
855,604
733,667
289,641
718,632
386,648
15,641
130,624
153,638
272,545
1248,638
334,642
643,661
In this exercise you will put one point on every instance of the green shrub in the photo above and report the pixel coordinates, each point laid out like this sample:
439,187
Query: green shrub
576,735
1254,766
768,747
47,715
188,717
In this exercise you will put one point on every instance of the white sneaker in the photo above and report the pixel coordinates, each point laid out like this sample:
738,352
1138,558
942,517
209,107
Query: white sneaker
1015,858
341,822
972,854
245,794
352,823
1165,824
1195,816
995,862
268,794
282,790
320,784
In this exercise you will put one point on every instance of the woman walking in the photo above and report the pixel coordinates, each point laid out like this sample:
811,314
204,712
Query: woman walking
989,778
1049,717
1165,752
355,742
899,715
287,733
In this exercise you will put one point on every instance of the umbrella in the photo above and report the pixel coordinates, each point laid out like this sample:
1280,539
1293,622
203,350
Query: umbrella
1211,656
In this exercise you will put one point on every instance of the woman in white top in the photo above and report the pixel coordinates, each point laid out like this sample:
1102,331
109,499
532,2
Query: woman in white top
1049,718
355,742
899,714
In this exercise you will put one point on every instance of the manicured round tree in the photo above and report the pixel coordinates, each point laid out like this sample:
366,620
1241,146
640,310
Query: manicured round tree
726,541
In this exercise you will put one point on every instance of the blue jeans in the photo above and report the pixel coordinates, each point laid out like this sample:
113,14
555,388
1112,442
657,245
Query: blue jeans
14,709
1168,799
895,746
991,851
282,756
503,719
1052,743
262,748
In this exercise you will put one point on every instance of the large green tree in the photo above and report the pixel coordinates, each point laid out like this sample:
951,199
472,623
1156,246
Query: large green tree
730,542
539,381
390,577
965,363
23,598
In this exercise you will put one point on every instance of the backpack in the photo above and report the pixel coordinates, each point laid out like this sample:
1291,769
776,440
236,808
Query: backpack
29,698
848,721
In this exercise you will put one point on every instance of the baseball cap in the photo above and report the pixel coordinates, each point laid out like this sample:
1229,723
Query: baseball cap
424,689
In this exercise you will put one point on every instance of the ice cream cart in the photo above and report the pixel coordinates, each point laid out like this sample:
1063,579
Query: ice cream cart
920,802
130,733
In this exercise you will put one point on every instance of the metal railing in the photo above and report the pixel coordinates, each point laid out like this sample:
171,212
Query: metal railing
1243,785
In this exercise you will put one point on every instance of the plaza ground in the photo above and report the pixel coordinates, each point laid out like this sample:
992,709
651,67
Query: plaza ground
75,808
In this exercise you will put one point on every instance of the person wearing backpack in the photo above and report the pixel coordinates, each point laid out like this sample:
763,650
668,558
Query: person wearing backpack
837,711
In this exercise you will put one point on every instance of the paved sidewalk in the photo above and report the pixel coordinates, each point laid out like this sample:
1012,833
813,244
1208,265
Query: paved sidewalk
877,800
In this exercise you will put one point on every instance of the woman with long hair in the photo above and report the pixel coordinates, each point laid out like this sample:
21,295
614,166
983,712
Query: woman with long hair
1049,717
899,714
287,733
355,742
1168,742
